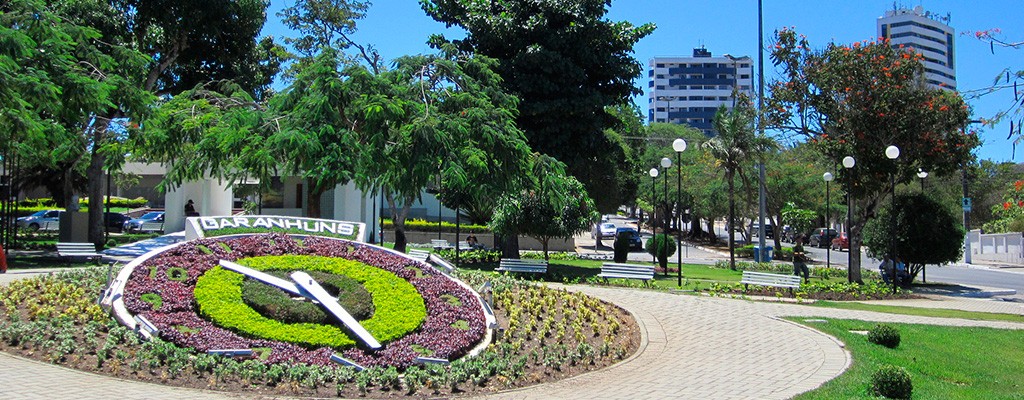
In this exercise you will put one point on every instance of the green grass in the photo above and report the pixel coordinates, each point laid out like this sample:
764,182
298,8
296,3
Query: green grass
919,311
943,362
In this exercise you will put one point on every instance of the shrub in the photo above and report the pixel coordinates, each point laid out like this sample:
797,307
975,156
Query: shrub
467,257
661,246
427,226
279,305
885,335
892,382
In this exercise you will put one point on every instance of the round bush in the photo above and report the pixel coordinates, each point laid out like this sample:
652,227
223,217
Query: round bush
892,382
884,335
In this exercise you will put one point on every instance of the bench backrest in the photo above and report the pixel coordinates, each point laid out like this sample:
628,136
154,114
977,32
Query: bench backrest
418,255
76,248
767,279
628,268
523,262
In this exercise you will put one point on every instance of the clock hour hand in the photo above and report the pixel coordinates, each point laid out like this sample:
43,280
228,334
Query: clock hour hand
264,277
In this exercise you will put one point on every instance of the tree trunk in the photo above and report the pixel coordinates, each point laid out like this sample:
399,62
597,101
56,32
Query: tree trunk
544,245
94,172
313,194
398,217
509,245
853,274
731,222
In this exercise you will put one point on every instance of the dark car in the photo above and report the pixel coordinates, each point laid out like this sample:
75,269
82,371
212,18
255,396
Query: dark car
634,238
114,221
769,231
821,237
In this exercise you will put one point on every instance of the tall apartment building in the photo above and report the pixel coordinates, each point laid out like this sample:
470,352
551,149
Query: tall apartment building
928,34
689,90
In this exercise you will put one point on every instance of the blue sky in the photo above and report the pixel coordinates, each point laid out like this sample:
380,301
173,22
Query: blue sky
399,27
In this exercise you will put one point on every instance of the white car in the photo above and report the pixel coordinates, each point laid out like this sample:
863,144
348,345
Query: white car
47,220
606,230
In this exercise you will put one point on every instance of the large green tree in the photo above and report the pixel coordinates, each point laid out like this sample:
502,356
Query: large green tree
566,62
855,100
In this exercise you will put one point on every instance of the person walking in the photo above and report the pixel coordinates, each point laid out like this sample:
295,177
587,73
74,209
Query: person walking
800,260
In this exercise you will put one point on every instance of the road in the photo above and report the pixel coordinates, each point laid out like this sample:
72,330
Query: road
975,275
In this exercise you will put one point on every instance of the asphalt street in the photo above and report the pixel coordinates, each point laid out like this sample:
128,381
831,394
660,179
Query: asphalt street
973,275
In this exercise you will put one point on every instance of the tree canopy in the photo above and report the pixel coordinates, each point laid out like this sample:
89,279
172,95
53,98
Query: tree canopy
566,63
926,232
855,100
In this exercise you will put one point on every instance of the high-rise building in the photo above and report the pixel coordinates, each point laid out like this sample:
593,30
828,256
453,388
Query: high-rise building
689,90
928,34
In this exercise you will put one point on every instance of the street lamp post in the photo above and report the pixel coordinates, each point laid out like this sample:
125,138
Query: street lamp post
848,163
654,209
892,153
827,176
666,163
921,173
679,145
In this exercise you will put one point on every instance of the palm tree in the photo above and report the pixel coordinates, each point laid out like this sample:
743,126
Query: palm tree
734,146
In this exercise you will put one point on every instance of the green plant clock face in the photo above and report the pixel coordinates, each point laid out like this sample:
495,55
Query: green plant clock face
399,308
196,303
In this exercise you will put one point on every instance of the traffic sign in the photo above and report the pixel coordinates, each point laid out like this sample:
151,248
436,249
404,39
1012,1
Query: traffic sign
966,203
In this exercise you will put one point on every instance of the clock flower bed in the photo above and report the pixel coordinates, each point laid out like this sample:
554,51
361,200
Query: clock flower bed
197,304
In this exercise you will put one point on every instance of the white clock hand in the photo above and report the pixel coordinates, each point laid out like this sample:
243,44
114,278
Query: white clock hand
307,284
263,277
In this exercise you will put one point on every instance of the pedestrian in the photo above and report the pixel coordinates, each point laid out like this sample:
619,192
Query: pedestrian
3,260
902,275
800,260
474,244
190,209
886,269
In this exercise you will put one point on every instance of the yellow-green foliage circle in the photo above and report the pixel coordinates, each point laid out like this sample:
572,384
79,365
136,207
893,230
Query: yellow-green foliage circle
399,307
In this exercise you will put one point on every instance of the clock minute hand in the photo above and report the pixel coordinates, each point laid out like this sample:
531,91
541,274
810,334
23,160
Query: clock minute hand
307,284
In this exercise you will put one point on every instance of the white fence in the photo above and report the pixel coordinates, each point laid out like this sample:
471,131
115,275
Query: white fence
996,247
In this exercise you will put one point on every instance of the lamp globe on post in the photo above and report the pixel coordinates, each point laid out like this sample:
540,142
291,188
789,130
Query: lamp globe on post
848,163
679,145
921,173
827,176
654,175
892,153
665,163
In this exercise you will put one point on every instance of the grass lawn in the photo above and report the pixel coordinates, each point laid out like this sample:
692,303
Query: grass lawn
943,362
920,311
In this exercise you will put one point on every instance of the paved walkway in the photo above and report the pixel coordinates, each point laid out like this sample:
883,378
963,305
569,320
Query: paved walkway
692,347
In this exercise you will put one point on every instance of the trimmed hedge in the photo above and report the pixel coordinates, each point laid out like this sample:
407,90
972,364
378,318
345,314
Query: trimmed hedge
46,203
399,308
279,305
420,225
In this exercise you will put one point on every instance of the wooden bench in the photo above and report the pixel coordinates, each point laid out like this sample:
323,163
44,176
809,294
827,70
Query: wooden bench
766,279
440,244
627,271
523,266
78,250
418,255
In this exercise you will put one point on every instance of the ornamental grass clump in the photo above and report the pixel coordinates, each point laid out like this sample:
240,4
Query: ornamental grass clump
892,382
884,335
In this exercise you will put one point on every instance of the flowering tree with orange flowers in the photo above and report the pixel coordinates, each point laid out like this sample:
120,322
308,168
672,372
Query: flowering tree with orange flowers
1009,214
856,100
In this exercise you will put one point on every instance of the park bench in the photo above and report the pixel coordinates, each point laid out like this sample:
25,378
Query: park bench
627,271
523,266
766,279
440,244
418,255
78,250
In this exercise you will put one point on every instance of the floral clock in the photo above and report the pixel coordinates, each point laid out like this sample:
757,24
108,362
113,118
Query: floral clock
188,297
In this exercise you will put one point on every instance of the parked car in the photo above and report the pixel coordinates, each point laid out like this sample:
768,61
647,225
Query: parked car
148,222
606,230
769,231
841,242
821,237
47,220
114,221
634,238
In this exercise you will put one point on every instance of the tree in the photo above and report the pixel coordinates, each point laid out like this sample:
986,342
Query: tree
558,207
566,63
856,100
735,145
427,109
1007,79
926,232
790,183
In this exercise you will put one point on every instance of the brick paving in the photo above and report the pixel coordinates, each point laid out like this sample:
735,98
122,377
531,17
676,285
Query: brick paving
693,347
